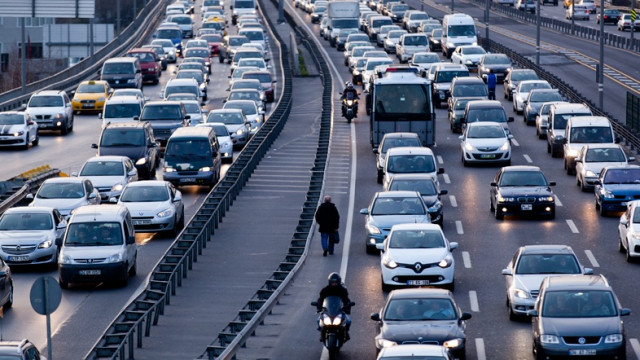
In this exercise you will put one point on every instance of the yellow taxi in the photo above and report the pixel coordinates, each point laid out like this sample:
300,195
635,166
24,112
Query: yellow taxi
90,95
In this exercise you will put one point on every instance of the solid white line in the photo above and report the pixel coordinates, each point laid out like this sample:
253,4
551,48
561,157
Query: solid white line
635,345
526,157
480,349
446,178
440,161
466,259
454,203
515,142
592,258
459,227
473,301
572,226
558,202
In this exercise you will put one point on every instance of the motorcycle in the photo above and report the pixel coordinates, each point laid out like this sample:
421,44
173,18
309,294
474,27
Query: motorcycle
332,323
349,106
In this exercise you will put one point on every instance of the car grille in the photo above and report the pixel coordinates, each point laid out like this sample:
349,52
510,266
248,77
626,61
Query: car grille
18,249
432,342
103,189
534,293
162,132
488,149
180,172
142,217
576,339
12,141
91,261
526,199
88,101
431,278
417,269
43,117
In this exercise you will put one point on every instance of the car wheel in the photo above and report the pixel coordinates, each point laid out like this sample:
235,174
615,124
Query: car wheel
385,287
152,172
464,162
9,302
552,216
124,279
370,249
26,142
134,268
628,256
63,284
380,176
36,141
620,245
512,316
491,207
498,214
64,130
602,211
451,287
549,148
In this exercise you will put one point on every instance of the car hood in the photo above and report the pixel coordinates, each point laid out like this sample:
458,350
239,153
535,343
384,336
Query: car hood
146,208
232,128
90,252
23,237
132,152
45,110
581,326
63,205
443,85
528,282
90,96
497,67
623,189
400,331
423,256
430,200
486,143
525,190
10,129
386,221
474,58
597,167
105,181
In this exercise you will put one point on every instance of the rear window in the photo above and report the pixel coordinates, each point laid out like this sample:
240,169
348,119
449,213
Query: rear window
117,68
161,112
122,137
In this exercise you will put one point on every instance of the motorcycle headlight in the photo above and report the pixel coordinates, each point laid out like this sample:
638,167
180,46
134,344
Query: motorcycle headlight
349,102
388,262
115,258
337,320
141,161
590,173
504,146
453,343
446,262
613,338
545,198
356,72
549,339
116,187
165,213
45,244
372,229
521,294
469,147
383,343
326,319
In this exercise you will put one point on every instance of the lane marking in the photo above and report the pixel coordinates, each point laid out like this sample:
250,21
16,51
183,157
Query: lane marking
515,142
635,345
473,301
440,161
466,259
572,226
558,202
526,157
480,349
446,179
592,258
454,202
459,227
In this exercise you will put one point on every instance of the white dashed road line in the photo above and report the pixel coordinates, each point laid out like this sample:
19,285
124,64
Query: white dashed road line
514,142
459,227
480,349
526,157
592,258
473,301
466,259
446,179
440,161
454,202
572,226
558,202
635,345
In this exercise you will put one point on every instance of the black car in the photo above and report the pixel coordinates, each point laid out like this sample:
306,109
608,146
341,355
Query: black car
578,316
134,140
434,40
534,101
522,190
422,316
429,189
499,64
610,16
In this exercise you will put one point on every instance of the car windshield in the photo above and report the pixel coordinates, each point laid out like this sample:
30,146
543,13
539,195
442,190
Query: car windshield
117,68
192,108
226,118
244,95
418,16
590,135
252,62
73,190
426,58
605,155
169,34
622,176
399,142
163,43
415,40
248,108
45,101
473,51
90,88
26,221
94,234
197,75
183,20
423,186
11,119
212,38
560,120
526,87
255,35
402,99
200,53
462,30
238,41
487,114
244,4
522,178
524,75
497,59
420,310
121,111
220,130
188,155
416,239
102,168
579,304
530,264
402,164
263,78
445,76
544,96
145,194
191,66
398,206
461,104
485,132
161,112
465,90
143,56
371,64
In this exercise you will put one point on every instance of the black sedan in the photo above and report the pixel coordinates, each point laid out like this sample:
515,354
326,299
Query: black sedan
522,190
610,16
422,316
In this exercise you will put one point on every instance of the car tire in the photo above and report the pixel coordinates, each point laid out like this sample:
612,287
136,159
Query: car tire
124,279
385,287
497,214
491,207
63,284
451,287
9,302
512,316
620,245
65,130
464,162
380,177
134,269
602,211
26,142
36,141
552,216
370,249
549,148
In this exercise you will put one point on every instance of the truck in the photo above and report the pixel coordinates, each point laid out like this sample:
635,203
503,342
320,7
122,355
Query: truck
342,14
401,102
457,30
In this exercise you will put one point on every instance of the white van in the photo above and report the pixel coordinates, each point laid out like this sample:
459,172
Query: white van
121,109
410,160
583,130
457,30
99,246
559,115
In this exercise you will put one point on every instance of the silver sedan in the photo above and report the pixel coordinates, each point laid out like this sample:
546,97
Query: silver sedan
155,205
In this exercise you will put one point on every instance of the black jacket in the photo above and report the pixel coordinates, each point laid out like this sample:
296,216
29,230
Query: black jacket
339,291
328,217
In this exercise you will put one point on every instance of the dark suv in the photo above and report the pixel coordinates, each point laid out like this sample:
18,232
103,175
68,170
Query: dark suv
19,350
165,117
578,315
132,139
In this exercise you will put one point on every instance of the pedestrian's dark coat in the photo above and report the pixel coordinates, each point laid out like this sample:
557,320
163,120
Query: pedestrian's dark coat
327,217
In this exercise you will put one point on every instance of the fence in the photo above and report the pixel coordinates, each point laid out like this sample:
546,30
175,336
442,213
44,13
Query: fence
633,112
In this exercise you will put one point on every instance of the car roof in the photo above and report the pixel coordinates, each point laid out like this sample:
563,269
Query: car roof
396,193
583,282
589,121
124,99
484,104
419,293
107,158
484,123
29,209
122,59
417,226
521,168
164,102
547,249
570,107
602,146
87,213
409,350
468,80
396,135
414,176
65,179
48,92
409,150
227,110
126,125
620,167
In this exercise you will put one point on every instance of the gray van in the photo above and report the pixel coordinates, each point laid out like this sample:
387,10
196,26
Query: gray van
122,72
192,157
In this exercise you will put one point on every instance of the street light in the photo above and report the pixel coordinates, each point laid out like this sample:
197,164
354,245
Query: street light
573,18
486,19
600,69
538,32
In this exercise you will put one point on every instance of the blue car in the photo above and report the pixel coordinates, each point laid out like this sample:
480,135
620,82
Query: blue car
616,186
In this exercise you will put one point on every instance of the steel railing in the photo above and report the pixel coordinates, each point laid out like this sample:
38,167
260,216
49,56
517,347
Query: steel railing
29,181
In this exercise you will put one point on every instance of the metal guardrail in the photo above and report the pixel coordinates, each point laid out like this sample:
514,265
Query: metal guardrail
31,181
618,41
633,111
135,319
236,333
67,79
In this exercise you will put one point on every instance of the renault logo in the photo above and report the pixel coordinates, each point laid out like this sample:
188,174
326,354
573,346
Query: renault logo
417,267
582,340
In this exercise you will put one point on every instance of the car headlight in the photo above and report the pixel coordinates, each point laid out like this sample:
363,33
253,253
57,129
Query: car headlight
436,207
141,161
115,258
446,262
205,169
19,133
453,343
607,194
169,170
64,259
356,72
505,146
131,81
549,339
372,229
116,187
165,213
590,173
613,338
383,343
60,116
505,199
469,62
486,70
388,262
240,131
469,147
572,153
521,294
559,137
545,198
100,99
45,244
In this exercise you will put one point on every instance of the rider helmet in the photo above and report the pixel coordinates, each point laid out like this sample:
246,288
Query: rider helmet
334,279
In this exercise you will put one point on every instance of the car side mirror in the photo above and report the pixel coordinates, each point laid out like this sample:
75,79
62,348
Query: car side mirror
625,312
187,117
29,197
453,246
623,220
133,172
92,196
532,313
208,80
510,119
375,151
58,242
597,182
137,118
177,197
74,174
552,183
131,239
565,140
494,184
94,146
99,115
314,303
510,137
364,211
443,192
465,316
380,246
631,158
440,170
61,225
588,271
375,317
113,200
461,137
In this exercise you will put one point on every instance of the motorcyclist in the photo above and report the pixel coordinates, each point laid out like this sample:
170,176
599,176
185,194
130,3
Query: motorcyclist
349,89
337,288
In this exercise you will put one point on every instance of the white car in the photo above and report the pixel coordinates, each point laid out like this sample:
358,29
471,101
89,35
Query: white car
542,119
521,92
194,111
529,266
65,194
416,254
415,351
468,55
236,123
391,40
254,116
424,60
256,62
28,235
629,231
155,205
109,174
592,158
410,160
18,129
485,142
224,140
52,110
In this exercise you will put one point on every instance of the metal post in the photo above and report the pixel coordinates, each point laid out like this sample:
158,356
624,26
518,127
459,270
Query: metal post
135,10
117,17
601,67
573,18
486,19
45,296
452,6
538,32
281,11
91,48
23,58
633,22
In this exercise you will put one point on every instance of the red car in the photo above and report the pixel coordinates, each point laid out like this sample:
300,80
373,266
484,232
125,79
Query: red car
150,63
215,41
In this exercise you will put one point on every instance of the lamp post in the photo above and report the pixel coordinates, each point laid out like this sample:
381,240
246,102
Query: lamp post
486,19
573,18
452,6
538,32
600,75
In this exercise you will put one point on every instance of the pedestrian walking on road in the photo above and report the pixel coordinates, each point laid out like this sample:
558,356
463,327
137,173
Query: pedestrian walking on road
491,84
328,220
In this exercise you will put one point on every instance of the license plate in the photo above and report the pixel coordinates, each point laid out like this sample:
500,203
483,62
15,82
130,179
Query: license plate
90,272
526,207
141,222
87,105
488,156
417,282
582,352
188,180
18,258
